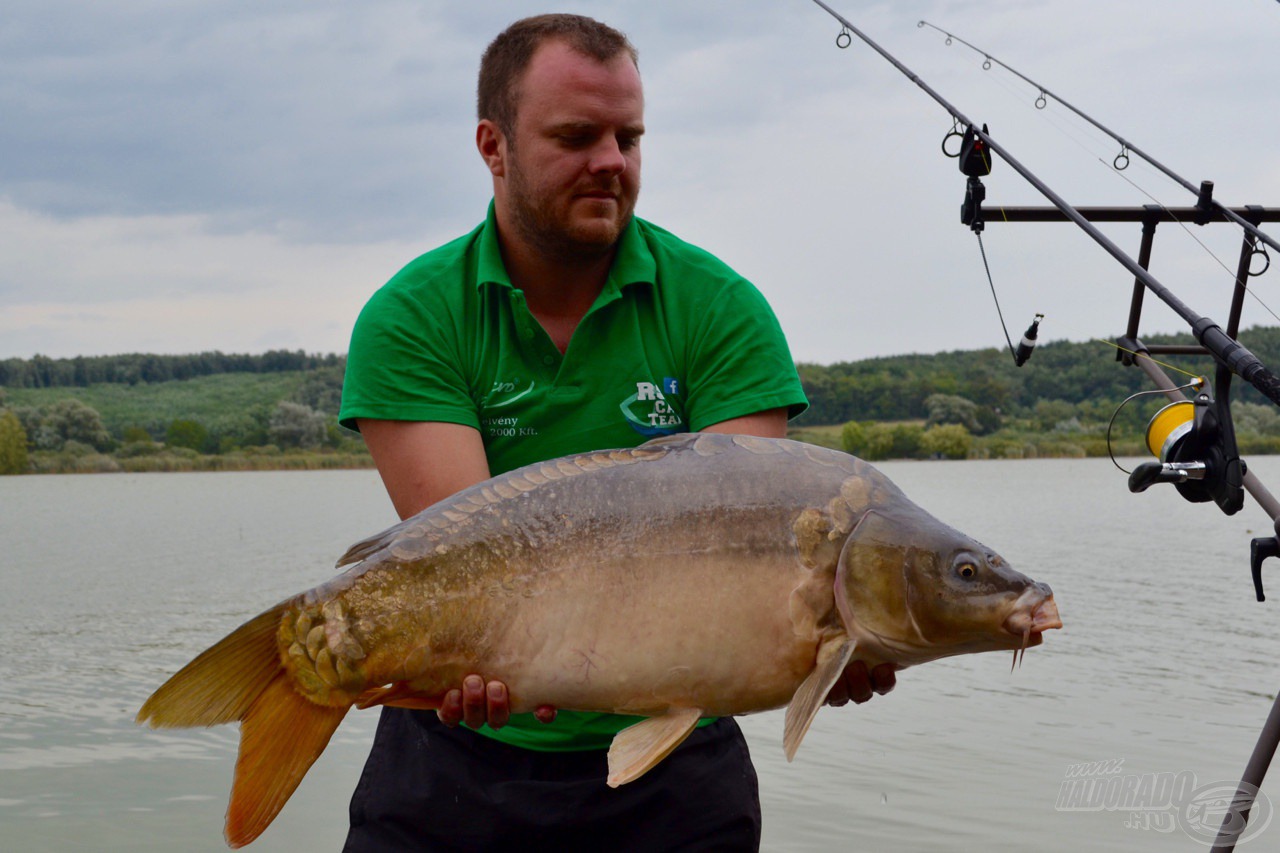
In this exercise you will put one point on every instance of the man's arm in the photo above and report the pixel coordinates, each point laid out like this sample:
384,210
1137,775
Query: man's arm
424,462
421,463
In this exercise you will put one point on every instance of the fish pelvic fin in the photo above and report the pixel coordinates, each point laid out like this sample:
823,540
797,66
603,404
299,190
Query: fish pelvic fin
281,736
397,695
637,749
833,657
221,684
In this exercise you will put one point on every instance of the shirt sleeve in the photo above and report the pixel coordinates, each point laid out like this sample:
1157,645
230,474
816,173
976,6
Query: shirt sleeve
740,363
405,364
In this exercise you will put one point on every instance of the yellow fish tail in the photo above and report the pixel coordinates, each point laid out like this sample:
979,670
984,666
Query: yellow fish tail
241,678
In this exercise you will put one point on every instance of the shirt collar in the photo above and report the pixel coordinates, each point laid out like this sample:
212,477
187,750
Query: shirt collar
634,263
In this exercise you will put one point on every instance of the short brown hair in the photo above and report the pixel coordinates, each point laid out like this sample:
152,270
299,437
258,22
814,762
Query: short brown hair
507,56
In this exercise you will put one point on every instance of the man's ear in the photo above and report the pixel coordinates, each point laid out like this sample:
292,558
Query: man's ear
492,145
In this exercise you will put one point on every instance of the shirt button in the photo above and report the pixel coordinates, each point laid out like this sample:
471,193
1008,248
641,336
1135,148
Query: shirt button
548,360
526,333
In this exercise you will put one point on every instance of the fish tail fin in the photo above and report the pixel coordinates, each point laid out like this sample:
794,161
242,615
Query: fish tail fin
281,736
221,684
281,733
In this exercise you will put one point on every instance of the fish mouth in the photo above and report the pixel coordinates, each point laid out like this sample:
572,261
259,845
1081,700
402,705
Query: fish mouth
1029,623
1034,620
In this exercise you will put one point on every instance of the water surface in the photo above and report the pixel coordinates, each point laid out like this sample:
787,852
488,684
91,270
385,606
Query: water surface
109,583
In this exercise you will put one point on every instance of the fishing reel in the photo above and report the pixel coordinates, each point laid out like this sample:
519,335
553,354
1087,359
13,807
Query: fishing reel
1196,444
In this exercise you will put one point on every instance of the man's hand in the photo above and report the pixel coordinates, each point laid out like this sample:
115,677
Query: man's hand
858,684
478,703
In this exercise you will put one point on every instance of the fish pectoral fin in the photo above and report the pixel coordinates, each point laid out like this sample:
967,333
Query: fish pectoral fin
397,695
637,749
833,657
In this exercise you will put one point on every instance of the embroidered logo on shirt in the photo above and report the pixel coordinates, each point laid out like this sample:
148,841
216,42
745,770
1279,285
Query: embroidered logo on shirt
505,388
503,394
649,412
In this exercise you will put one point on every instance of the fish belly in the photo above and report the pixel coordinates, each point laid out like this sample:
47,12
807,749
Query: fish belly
642,637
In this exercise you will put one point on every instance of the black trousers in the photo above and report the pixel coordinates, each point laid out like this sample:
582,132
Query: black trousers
427,787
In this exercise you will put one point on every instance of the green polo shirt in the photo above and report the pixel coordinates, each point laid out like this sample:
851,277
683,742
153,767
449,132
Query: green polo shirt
676,341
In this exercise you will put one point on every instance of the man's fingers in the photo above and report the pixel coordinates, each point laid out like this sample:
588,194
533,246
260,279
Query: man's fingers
858,682
478,703
498,704
450,712
884,678
473,701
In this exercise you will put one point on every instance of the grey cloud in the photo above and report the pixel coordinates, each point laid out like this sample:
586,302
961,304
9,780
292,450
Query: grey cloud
328,117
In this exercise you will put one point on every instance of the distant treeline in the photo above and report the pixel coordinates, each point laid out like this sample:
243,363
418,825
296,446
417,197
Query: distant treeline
80,372
1084,376
1062,380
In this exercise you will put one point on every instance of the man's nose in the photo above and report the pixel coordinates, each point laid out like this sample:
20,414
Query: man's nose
607,157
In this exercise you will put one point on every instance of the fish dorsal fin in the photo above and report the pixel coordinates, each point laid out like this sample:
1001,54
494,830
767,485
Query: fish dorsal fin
833,657
637,749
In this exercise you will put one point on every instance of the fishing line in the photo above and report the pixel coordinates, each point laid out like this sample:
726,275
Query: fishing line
1258,248
1126,145
1075,132
1118,164
1230,353
1012,349
1083,137
1137,354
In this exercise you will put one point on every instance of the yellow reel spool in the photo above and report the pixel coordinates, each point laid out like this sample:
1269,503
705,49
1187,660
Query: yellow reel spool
1168,427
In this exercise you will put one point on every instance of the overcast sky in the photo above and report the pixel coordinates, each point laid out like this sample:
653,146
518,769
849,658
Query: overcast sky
177,177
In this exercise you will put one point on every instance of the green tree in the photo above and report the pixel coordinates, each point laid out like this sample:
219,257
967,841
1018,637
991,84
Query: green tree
31,420
1050,413
321,390
183,432
907,441
13,444
950,441
879,443
71,420
853,438
952,409
1255,418
296,425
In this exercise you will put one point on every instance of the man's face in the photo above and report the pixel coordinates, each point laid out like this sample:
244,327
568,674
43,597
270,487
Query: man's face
572,166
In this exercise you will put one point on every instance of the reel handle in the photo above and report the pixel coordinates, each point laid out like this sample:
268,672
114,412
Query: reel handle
1148,474
1259,550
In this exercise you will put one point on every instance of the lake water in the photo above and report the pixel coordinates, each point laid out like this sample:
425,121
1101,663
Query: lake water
1167,666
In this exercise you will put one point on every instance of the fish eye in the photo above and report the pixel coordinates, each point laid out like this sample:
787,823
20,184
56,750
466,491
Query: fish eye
967,570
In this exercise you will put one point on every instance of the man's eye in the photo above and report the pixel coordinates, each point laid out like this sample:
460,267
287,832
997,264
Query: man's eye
626,143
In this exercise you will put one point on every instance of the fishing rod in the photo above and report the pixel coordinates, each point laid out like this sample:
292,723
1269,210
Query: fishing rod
1121,161
1207,434
1227,351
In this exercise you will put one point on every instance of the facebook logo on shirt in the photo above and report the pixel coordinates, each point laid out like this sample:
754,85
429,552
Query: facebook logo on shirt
670,386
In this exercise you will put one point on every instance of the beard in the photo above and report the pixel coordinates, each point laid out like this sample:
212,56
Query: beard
553,231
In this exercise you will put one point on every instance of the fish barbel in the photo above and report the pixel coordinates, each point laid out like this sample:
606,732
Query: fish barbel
695,575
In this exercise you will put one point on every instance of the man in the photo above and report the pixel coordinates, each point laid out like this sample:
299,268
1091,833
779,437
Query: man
562,324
